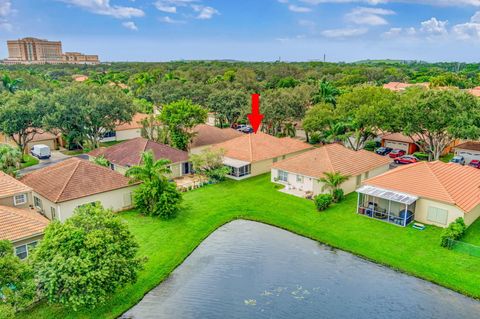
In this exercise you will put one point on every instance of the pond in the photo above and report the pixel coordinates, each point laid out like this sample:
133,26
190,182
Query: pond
251,270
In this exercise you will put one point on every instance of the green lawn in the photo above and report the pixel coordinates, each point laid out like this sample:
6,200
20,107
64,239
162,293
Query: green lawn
472,236
29,160
168,243
447,158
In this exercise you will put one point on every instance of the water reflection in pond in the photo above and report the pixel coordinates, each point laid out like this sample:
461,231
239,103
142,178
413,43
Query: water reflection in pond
250,270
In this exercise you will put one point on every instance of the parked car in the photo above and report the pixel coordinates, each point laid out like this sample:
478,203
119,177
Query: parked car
406,159
396,153
41,151
458,159
475,163
245,128
383,150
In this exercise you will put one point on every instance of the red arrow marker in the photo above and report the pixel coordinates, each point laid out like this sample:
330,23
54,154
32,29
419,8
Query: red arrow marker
255,117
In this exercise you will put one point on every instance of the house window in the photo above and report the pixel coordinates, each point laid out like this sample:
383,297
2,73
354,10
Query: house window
109,134
20,199
53,213
437,215
23,251
37,202
283,176
299,179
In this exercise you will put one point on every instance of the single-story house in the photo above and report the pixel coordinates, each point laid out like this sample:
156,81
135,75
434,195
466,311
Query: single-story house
206,135
469,150
433,193
254,154
14,193
129,153
79,78
23,227
126,131
60,188
40,137
401,142
301,174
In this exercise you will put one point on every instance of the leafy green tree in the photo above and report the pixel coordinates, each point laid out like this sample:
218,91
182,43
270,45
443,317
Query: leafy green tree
156,196
80,263
84,112
437,118
229,106
21,116
9,84
180,118
10,159
210,164
17,286
318,119
332,181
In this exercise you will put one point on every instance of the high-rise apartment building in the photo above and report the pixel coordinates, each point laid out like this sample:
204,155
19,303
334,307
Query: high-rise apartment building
39,51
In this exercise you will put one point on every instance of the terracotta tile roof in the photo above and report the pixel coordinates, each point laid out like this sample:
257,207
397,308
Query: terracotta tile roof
17,224
399,137
332,158
471,145
74,178
10,186
209,135
135,123
260,146
129,153
446,182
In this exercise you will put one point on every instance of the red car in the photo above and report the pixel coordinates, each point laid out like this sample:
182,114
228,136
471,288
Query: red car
396,153
406,159
475,163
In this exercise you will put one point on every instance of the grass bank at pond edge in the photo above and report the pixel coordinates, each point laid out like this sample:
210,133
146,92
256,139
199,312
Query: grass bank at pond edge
168,243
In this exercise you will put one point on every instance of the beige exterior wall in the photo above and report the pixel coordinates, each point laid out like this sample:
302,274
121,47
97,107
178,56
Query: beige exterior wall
472,216
28,240
8,201
307,183
265,166
421,211
50,143
469,155
128,134
116,200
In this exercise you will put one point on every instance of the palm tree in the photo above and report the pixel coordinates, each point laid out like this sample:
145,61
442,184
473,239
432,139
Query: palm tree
10,158
150,170
332,181
11,85
327,93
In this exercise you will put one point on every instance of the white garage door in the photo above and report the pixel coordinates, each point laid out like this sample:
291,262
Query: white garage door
469,156
397,145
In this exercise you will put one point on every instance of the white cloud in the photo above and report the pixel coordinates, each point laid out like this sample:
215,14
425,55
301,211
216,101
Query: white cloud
204,12
298,9
5,12
170,6
130,25
399,32
368,16
103,7
171,21
468,30
434,27
344,32
453,3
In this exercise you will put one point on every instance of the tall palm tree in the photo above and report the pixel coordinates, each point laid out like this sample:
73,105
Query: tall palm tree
11,85
10,158
327,93
333,180
150,170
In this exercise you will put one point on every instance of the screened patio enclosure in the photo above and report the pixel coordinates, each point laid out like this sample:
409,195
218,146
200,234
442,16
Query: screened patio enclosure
238,169
386,205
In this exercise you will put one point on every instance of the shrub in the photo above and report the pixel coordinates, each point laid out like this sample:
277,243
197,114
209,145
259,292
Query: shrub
370,146
454,231
323,201
421,156
314,138
338,195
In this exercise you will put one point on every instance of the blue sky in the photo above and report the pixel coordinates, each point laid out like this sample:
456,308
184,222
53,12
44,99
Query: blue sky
252,30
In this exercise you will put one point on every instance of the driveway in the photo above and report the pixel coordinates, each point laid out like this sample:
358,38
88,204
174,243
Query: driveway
55,158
